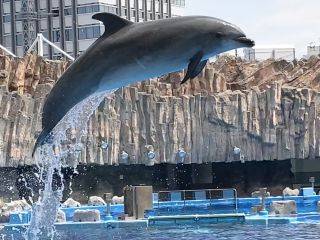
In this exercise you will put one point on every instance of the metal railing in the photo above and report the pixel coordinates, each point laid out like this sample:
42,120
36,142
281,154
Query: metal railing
252,54
7,51
198,194
39,42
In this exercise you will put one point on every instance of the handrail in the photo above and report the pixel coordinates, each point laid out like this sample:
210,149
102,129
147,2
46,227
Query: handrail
7,51
40,40
200,190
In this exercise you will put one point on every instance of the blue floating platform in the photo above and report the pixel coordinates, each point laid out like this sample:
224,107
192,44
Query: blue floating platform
263,213
20,217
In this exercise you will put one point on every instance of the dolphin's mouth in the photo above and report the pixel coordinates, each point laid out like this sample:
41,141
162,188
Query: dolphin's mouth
244,40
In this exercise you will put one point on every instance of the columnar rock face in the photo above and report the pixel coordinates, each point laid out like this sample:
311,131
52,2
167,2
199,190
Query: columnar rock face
269,109
23,85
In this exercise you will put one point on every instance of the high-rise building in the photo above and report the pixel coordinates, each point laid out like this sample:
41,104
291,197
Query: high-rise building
68,23
313,50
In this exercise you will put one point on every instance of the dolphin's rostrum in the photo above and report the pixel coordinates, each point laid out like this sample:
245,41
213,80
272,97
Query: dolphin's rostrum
128,52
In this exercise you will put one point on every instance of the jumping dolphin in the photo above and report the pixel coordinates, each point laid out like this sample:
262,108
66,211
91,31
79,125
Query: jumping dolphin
128,52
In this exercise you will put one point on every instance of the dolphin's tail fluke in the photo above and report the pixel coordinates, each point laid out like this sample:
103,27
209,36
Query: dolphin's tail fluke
42,138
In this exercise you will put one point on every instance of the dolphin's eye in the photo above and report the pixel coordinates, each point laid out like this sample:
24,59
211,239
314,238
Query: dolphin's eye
220,34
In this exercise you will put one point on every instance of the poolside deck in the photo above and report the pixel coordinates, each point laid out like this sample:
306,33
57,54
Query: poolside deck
265,220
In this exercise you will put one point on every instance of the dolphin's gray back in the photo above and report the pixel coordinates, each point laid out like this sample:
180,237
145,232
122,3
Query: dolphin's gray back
145,46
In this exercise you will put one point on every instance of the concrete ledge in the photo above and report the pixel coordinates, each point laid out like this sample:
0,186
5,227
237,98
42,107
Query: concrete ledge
269,220
85,225
197,219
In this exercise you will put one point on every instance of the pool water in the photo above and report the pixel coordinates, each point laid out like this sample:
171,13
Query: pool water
299,231
228,231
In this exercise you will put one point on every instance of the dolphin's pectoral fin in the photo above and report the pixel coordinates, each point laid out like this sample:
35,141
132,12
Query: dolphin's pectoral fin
112,23
195,67
199,68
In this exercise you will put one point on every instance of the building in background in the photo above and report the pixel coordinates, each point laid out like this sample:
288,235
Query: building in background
286,52
312,50
68,23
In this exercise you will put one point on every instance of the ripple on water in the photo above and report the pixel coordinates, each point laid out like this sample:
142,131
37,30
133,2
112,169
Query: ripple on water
190,232
219,231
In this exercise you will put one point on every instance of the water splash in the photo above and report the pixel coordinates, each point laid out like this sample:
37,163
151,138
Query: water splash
44,211
51,157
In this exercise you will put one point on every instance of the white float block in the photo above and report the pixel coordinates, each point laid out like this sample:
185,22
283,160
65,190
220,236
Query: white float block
86,216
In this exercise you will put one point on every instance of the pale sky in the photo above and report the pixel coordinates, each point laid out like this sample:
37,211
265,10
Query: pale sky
268,22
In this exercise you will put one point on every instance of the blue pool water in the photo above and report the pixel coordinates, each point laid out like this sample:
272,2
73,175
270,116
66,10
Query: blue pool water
301,231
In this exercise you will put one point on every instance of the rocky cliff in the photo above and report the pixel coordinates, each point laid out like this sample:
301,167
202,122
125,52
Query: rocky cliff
269,109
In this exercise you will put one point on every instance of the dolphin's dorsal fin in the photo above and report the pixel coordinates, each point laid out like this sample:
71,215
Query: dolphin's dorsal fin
112,23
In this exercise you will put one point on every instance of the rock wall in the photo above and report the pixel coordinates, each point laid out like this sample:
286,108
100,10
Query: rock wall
24,82
269,109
